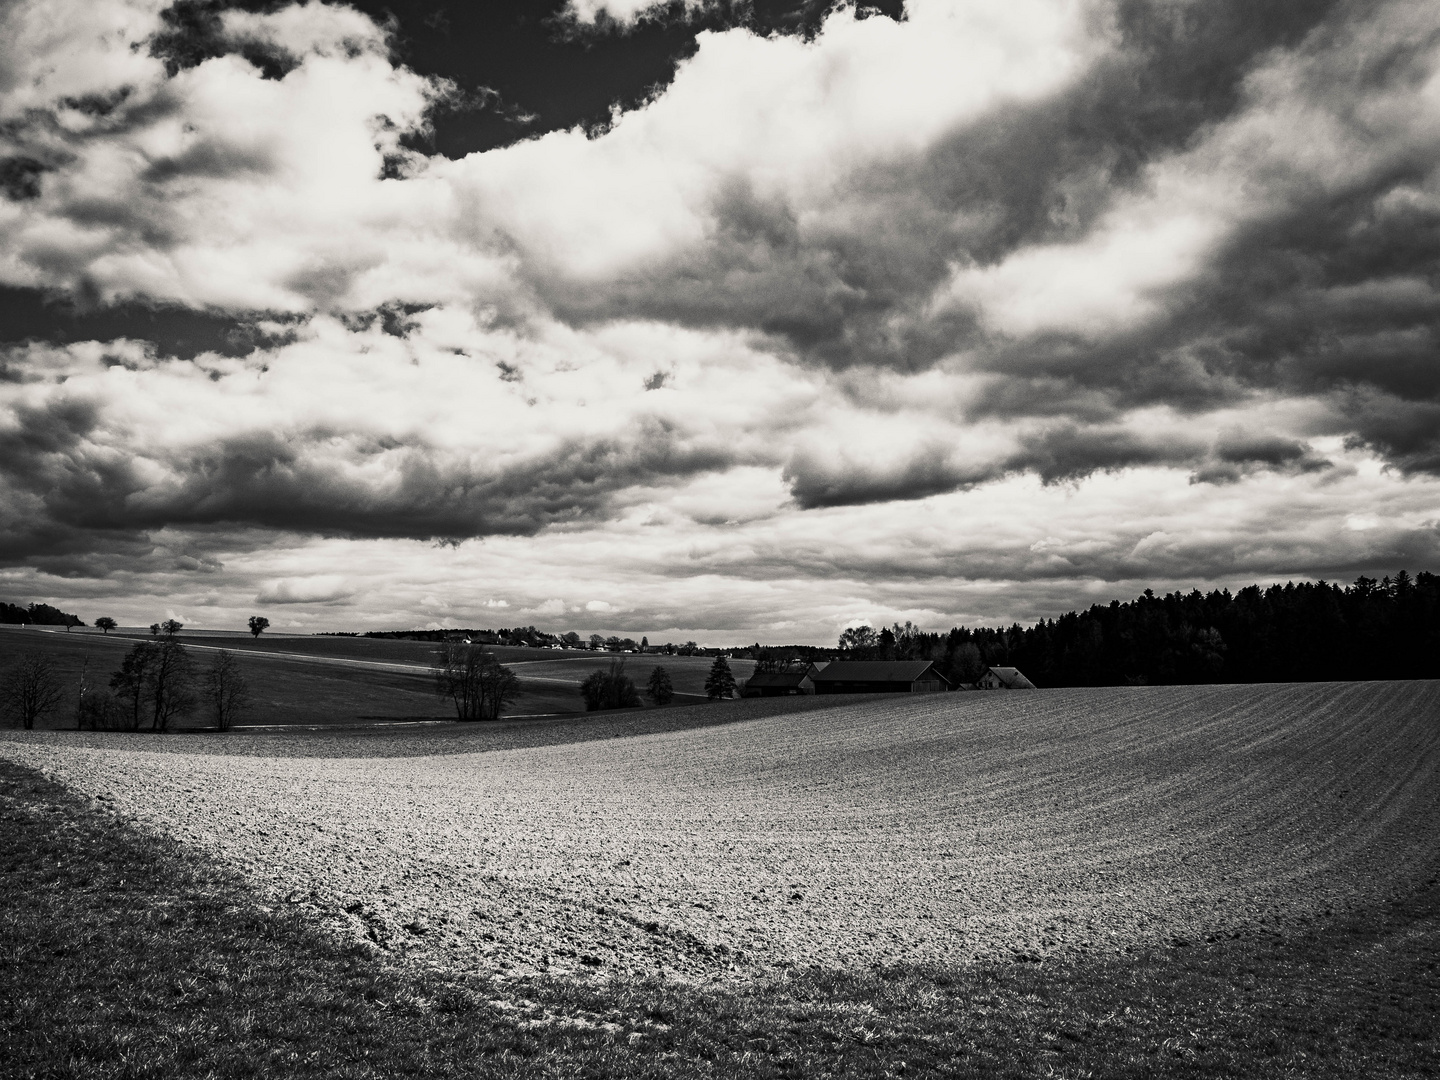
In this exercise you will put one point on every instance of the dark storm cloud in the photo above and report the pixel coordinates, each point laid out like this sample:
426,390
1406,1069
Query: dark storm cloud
1062,453
1239,454
816,481
34,315
1120,553
72,486
519,68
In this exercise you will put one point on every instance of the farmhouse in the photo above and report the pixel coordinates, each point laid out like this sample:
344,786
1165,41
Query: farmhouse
1004,678
879,677
795,680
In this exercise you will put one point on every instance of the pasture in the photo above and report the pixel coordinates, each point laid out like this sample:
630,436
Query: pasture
301,680
1134,842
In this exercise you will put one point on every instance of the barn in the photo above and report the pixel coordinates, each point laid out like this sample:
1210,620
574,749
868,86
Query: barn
780,683
1004,678
880,677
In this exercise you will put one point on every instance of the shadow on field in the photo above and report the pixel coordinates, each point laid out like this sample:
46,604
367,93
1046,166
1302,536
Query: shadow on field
419,736
128,956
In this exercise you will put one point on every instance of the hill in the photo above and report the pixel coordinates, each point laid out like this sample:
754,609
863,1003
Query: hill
944,829
309,680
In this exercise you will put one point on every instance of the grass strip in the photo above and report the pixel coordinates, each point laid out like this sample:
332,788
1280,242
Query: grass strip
122,954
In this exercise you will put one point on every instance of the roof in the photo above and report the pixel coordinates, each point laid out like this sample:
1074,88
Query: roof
905,671
1012,678
778,678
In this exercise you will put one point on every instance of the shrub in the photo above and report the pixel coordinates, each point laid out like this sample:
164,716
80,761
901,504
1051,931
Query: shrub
99,711
611,689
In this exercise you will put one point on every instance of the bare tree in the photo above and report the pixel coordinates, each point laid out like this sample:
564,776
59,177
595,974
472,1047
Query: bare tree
471,677
156,678
172,682
129,683
31,689
499,687
227,695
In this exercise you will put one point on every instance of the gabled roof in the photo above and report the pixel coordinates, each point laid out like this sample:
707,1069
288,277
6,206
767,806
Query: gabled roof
1012,678
784,679
877,671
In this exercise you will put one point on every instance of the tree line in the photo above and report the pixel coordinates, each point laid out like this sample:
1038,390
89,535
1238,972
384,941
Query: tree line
1297,632
37,615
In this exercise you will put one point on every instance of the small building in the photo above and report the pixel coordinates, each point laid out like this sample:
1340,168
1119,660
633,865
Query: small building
879,677
793,680
1004,678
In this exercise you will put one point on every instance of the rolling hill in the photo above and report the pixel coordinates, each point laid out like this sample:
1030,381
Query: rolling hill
941,829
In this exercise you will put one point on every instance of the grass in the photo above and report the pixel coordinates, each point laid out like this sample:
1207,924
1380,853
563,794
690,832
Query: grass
126,955
293,684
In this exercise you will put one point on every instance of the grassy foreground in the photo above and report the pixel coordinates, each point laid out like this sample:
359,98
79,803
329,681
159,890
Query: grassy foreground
124,955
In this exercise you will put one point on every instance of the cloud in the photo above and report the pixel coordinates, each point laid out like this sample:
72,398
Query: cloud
627,12
324,589
888,268
324,434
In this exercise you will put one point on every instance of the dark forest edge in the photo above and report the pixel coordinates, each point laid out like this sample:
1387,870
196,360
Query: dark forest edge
1305,632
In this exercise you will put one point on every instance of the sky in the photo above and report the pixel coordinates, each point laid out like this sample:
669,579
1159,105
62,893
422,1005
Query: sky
716,320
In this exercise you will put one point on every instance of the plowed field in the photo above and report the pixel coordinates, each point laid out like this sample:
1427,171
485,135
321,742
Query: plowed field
936,828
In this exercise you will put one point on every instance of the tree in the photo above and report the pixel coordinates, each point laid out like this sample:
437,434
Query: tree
498,687
105,624
171,683
966,665
45,615
130,681
472,677
720,683
171,627
258,625
658,689
31,689
156,678
226,694
858,640
610,689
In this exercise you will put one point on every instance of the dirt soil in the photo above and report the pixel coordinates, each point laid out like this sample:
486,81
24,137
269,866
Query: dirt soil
940,828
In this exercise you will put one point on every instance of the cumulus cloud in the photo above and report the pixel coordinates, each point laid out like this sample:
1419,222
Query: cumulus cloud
884,268
323,589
